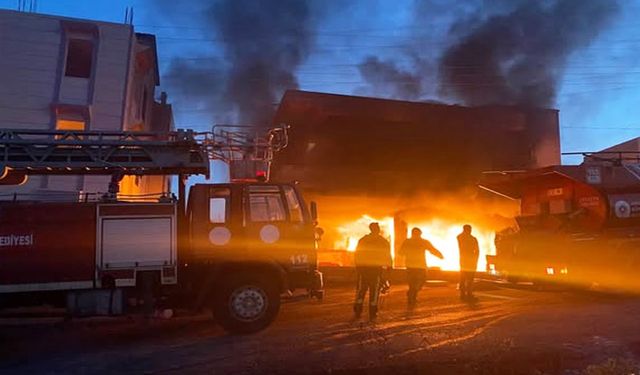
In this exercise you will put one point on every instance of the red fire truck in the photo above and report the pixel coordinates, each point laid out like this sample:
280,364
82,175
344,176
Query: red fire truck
579,224
233,248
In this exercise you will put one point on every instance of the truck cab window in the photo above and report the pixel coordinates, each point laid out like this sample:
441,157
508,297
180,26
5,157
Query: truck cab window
295,210
266,206
218,204
218,210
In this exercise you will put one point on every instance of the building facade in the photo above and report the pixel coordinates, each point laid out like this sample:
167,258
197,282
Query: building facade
341,144
63,74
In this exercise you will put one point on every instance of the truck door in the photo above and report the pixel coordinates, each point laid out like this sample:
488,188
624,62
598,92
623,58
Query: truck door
216,232
277,226
265,219
300,233
225,231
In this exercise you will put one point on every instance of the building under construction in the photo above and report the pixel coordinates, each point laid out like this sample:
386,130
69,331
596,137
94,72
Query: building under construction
346,144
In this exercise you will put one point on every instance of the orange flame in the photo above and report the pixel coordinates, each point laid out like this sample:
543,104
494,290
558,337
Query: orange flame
441,233
353,231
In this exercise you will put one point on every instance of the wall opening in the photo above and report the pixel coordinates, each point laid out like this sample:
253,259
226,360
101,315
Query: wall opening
79,58
62,124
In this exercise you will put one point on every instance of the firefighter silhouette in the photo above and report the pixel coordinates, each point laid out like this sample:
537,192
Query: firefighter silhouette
372,256
469,251
413,249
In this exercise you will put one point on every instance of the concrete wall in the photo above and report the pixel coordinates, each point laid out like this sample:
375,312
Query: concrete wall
30,49
114,51
141,78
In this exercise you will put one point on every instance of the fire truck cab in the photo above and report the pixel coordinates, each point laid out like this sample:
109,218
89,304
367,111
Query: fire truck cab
248,243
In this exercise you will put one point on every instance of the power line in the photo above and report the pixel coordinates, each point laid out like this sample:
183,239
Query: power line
353,31
604,81
412,38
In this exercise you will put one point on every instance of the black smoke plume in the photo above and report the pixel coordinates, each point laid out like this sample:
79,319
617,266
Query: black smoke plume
519,57
197,81
386,79
263,42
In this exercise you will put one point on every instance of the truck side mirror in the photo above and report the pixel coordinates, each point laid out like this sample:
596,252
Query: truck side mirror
314,211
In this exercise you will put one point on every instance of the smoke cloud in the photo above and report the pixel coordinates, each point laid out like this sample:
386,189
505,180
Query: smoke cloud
198,80
263,42
386,79
498,52
519,57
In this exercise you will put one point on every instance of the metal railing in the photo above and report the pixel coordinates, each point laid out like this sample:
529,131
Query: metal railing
613,157
239,142
85,197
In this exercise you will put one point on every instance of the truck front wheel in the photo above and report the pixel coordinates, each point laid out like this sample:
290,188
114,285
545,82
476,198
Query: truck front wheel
246,304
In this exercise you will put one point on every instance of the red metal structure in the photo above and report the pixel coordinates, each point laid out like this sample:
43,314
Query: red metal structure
579,224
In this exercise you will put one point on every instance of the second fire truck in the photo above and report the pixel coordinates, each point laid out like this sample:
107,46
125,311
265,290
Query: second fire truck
579,224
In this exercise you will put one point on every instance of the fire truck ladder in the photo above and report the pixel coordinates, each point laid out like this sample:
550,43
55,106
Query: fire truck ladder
183,152
38,152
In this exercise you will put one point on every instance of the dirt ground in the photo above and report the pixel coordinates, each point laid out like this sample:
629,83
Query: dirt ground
508,331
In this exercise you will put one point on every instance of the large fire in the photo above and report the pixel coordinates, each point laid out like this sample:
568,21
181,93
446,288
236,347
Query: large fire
440,232
353,231
442,235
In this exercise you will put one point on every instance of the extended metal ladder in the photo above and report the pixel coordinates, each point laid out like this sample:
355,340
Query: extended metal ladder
37,152
183,152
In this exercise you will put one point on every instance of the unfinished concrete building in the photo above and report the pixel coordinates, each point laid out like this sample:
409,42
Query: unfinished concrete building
68,74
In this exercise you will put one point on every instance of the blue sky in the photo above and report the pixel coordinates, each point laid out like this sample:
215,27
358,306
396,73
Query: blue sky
599,96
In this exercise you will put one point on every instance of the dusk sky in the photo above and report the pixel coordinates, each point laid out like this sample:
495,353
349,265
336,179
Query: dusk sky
597,94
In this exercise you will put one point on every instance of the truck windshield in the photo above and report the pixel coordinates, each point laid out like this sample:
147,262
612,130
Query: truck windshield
265,204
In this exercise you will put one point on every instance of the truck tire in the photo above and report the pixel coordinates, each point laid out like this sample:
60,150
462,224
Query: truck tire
246,304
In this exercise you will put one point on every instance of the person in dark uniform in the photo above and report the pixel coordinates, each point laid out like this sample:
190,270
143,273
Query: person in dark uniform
413,249
373,254
469,251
